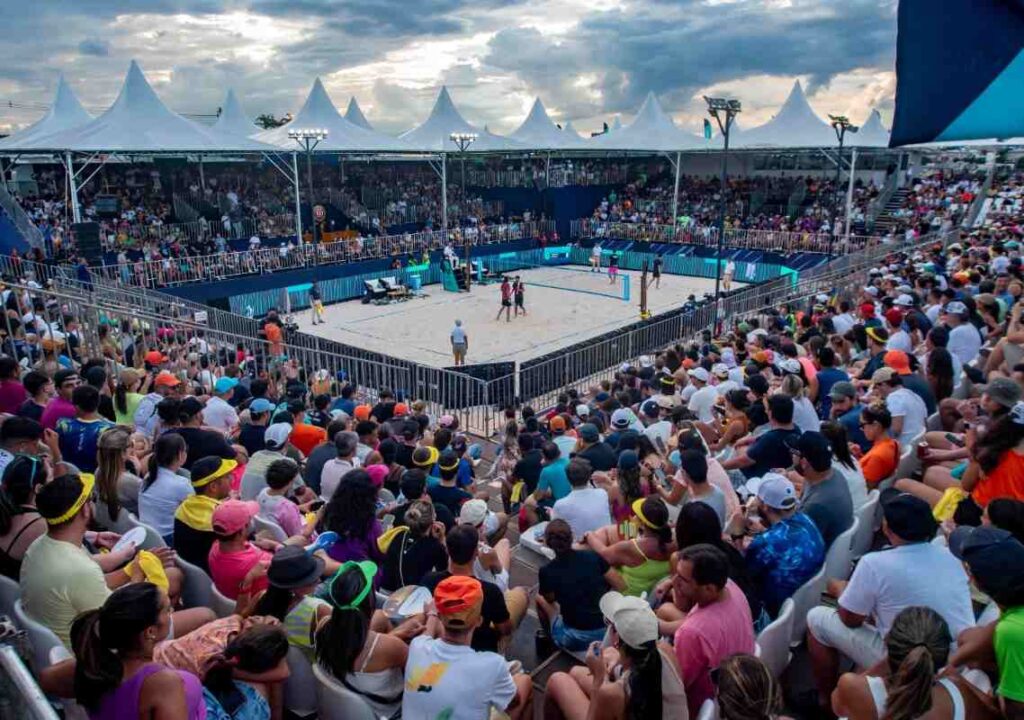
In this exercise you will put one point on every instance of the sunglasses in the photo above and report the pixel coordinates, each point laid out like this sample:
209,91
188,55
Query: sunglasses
865,424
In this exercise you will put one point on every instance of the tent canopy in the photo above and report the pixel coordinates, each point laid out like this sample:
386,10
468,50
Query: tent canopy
433,134
354,114
65,113
871,134
651,130
319,112
233,119
795,125
538,131
138,121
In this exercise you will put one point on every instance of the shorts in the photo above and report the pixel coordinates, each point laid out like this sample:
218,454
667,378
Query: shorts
519,301
656,273
612,270
506,303
864,645
572,639
459,348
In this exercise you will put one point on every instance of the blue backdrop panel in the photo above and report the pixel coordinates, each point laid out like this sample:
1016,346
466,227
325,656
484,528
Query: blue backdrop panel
959,70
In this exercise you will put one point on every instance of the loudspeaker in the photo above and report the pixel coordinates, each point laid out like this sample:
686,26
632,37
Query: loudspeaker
87,239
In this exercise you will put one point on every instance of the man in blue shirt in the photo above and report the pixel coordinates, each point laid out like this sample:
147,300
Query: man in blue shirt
768,451
787,550
79,436
828,375
846,410
553,484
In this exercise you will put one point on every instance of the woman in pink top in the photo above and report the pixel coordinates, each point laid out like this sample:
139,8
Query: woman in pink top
115,676
12,392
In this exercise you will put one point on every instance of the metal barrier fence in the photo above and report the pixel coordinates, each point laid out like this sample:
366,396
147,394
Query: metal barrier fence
707,236
205,268
201,229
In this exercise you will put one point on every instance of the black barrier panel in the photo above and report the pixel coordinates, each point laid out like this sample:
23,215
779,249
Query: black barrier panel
497,378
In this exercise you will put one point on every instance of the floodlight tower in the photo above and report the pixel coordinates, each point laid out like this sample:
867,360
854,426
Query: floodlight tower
462,141
842,125
724,111
308,139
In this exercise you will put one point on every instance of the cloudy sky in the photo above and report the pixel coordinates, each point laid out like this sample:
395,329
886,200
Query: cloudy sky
588,60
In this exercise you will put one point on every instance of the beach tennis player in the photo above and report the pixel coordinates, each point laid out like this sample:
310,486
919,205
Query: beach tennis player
595,257
506,300
519,293
613,268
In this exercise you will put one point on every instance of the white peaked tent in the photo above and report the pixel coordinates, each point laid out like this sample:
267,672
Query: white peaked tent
342,136
871,134
574,136
651,130
354,114
433,133
538,131
65,113
138,121
233,120
795,125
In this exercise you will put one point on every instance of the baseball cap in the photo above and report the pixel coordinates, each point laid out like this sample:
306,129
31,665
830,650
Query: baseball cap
883,375
275,437
231,516
909,517
867,310
557,424
789,365
871,290
588,432
582,410
776,491
362,412
446,421
646,361
1003,391
155,357
664,402
459,600
898,360
650,408
699,373
720,370
635,623
813,447
473,512
166,379
207,469
956,307
842,389
401,409
224,384
894,317
994,556
904,301
260,405
622,419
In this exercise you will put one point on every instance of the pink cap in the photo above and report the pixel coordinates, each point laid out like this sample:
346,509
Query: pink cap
377,473
233,515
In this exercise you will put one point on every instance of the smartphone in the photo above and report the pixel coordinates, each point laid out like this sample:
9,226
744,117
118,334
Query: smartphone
959,442
660,474
317,505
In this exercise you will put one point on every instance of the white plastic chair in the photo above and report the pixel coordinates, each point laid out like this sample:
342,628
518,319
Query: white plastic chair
773,641
336,702
933,423
300,696
866,528
153,538
42,639
276,532
708,711
196,588
909,461
222,605
806,597
839,557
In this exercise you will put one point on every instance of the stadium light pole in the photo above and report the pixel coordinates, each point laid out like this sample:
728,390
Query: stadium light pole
720,108
842,125
462,142
308,139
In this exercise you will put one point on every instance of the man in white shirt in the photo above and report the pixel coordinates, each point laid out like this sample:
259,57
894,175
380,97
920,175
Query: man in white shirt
725,384
909,413
703,399
345,443
218,414
445,677
914,572
585,508
654,411
964,338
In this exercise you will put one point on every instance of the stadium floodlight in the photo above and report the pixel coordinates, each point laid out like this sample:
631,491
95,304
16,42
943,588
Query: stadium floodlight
462,141
717,108
308,139
842,125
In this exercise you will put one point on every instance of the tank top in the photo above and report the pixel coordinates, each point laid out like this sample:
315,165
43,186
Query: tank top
880,695
643,577
387,683
298,624
123,701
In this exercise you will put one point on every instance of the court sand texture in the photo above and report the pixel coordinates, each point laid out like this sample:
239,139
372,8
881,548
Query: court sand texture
418,329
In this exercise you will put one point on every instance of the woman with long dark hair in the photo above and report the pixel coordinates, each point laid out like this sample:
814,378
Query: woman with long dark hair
20,522
352,513
292,577
939,373
367,662
636,679
844,463
917,648
163,489
115,676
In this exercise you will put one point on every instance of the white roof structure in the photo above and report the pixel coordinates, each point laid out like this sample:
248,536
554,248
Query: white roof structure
871,134
795,125
433,133
354,114
233,119
569,130
138,121
651,130
65,113
342,136
538,131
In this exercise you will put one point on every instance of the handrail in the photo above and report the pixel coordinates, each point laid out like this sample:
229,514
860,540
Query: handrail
971,216
876,206
22,222
183,210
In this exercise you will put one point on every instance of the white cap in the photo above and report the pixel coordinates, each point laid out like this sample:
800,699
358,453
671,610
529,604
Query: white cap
634,621
646,361
582,410
699,373
871,290
904,301
720,370
789,365
622,419
955,307
775,491
276,436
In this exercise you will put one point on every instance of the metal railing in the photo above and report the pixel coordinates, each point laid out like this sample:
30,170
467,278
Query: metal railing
204,268
876,206
183,210
202,229
32,234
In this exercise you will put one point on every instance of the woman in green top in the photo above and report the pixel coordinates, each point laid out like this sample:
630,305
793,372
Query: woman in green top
644,560
131,388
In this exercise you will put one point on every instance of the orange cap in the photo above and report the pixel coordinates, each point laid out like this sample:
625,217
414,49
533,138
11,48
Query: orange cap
898,361
401,409
459,600
557,423
166,379
362,412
